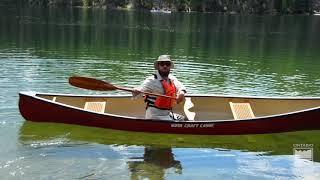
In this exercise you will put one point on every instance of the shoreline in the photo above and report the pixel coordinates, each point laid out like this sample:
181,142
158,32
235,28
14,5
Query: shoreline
227,7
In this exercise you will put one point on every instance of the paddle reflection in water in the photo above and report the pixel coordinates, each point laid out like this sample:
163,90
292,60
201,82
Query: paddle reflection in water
274,144
154,163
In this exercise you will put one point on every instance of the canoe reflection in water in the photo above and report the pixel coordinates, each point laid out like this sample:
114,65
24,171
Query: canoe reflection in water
154,163
274,144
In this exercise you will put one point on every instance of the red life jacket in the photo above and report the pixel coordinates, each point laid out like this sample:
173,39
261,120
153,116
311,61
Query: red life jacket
169,90
162,102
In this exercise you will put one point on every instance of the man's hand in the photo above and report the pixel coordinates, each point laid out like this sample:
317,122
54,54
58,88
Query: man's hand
180,96
136,92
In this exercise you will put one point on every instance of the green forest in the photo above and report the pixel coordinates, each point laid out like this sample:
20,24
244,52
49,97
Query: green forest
213,6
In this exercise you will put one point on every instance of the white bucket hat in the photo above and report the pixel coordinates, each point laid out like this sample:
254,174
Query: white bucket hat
163,58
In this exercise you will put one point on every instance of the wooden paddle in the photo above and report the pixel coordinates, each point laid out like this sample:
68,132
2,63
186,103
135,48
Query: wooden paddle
99,85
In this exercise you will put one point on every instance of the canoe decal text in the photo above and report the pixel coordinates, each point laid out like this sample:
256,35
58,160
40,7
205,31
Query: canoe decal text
192,125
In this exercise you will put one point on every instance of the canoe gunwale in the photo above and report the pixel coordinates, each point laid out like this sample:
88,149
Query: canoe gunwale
34,93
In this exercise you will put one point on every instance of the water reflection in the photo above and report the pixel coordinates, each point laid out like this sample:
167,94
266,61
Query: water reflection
110,153
154,163
272,144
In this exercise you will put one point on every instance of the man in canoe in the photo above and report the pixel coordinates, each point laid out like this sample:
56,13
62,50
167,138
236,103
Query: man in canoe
162,82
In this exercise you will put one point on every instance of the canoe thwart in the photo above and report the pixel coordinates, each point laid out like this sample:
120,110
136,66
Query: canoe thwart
95,106
241,110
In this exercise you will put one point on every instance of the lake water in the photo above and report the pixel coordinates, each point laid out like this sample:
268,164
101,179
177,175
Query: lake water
213,54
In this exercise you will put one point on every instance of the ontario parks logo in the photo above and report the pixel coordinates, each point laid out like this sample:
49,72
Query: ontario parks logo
303,151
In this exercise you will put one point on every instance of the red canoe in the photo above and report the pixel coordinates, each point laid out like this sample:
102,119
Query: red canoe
214,115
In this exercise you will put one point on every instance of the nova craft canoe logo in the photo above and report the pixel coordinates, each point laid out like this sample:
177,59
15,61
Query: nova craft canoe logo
192,125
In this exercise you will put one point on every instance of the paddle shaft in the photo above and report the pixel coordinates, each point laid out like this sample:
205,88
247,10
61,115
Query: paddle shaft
146,93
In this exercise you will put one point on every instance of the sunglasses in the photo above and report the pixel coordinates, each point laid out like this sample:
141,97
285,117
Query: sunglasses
163,63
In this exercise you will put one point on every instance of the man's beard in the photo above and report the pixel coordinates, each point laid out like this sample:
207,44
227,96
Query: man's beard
164,74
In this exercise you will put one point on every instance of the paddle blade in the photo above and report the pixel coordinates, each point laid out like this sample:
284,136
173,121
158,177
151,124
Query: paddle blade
91,84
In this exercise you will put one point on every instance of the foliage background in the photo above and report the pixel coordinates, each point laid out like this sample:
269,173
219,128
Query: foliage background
215,6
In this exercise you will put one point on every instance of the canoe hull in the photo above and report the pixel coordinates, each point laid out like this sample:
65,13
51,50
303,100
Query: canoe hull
39,110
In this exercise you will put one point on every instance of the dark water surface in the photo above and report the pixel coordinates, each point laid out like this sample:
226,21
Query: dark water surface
213,54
